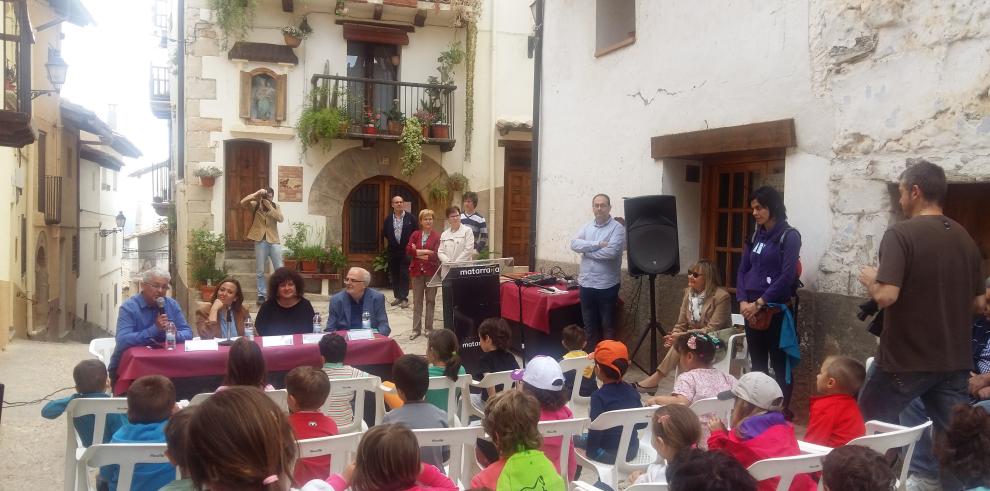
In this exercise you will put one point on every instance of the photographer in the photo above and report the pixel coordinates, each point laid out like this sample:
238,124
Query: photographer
264,233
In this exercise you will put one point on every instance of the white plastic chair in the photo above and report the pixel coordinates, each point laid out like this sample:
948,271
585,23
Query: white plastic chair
882,437
462,383
357,386
738,320
712,405
611,474
736,351
577,365
102,348
567,429
786,468
126,455
340,448
490,380
461,442
99,408
279,397
583,486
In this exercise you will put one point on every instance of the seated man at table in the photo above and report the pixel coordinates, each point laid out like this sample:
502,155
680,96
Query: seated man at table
348,306
142,323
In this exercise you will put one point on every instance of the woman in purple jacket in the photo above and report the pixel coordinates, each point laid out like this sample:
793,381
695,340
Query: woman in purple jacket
766,274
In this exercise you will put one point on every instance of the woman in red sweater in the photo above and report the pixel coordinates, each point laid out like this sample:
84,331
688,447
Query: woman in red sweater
422,250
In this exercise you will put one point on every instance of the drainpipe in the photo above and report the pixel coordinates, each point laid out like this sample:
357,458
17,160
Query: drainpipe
491,134
535,159
180,135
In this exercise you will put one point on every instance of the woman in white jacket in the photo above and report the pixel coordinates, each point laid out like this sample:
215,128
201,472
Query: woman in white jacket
457,242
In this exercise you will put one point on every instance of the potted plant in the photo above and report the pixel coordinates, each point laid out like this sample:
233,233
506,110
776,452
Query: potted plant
311,250
208,175
379,267
233,17
396,118
439,193
294,35
334,260
411,142
448,59
457,182
370,120
425,119
293,242
203,249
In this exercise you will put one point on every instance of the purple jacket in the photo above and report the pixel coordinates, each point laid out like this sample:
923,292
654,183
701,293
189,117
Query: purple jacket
768,273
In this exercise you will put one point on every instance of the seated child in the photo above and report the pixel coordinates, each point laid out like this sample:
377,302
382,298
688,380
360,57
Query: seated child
388,458
245,366
333,349
964,449
242,440
697,379
511,419
441,353
574,339
856,468
759,429
308,389
611,363
543,380
835,417
91,382
494,337
697,470
676,429
150,402
411,375
177,441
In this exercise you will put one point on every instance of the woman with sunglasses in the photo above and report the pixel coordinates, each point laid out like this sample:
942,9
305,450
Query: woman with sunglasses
706,308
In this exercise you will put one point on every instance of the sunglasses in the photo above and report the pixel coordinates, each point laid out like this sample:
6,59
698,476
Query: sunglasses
695,274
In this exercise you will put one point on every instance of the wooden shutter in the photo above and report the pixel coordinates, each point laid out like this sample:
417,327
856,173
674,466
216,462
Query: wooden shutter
245,95
282,87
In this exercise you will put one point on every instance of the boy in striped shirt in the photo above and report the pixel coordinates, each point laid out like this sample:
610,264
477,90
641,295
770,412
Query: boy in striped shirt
475,221
333,349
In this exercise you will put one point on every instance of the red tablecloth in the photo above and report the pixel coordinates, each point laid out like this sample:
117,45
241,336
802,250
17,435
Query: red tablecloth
139,360
537,304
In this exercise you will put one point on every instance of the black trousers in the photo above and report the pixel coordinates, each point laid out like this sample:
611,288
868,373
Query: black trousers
765,352
398,271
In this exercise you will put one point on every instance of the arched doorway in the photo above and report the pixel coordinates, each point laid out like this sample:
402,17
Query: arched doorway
41,290
364,213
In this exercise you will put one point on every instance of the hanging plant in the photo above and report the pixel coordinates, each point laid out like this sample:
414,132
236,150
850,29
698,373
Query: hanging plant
321,120
439,193
457,182
412,145
233,17
468,12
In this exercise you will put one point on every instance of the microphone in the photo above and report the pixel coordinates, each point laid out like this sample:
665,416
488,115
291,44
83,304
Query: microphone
161,305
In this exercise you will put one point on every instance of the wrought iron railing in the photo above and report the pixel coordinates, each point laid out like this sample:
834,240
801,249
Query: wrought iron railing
161,183
53,200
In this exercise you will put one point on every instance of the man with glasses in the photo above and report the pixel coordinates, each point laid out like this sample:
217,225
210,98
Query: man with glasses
397,229
600,243
141,324
347,307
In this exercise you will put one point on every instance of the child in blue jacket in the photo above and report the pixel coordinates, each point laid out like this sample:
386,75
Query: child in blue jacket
91,382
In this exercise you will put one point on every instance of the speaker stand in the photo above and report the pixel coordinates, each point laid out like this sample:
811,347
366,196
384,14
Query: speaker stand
651,330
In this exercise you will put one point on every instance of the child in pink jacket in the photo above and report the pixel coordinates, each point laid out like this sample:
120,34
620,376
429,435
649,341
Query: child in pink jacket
388,458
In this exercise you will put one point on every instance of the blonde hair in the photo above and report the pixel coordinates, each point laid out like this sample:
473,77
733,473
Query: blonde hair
677,426
710,272
424,213
511,418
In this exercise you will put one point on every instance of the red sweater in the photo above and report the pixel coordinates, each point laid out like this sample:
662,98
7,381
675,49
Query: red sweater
835,419
312,424
419,267
776,441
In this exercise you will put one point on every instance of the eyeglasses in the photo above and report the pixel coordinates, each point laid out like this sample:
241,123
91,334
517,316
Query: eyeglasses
164,287
349,280
695,274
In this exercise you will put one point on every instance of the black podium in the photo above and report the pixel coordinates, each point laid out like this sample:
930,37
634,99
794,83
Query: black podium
471,294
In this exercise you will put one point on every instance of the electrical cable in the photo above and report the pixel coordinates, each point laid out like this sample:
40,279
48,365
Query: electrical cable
8,404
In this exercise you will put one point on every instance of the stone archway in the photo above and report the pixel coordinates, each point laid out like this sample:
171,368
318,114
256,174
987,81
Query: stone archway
42,292
352,166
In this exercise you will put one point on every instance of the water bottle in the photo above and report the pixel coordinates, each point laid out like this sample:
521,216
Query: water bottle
366,320
170,336
249,329
317,323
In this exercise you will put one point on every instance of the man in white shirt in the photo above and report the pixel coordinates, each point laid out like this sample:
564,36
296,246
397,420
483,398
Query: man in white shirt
600,243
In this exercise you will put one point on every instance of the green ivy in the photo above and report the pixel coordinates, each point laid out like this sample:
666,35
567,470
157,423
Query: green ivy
412,145
233,17
319,126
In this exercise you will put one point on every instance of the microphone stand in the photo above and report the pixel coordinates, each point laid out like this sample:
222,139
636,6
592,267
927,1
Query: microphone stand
519,282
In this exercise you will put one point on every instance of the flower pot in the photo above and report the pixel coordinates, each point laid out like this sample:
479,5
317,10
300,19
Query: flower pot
207,181
370,130
206,292
426,131
395,127
309,265
441,131
291,264
291,41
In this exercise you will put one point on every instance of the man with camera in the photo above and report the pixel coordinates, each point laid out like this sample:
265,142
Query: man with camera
264,233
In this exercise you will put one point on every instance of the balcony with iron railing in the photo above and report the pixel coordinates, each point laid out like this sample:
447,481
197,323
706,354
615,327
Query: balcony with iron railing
355,97
159,85
138,261
53,200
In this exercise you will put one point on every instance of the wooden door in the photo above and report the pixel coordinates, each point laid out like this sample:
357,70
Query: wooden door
727,219
364,215
518,202
967,204
246,170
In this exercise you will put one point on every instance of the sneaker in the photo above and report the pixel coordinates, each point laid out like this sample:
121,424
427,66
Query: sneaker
414,335
396,302
404,304
918,482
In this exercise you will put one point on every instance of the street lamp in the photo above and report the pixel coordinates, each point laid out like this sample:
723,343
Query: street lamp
56,68
120,219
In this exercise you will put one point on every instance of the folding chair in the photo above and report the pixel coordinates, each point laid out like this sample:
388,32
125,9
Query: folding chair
125,455
463,382
102,348
566,429
882,437
74,448
583,486
357,386
712,405
340,448
786,468
461,442
279,397
577,365
490,380
611,474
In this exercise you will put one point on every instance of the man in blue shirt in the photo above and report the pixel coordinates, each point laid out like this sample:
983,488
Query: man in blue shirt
348,306
140,323
600,243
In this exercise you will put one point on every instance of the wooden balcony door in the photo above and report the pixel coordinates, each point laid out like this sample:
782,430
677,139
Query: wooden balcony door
364,215
246,170
518,202
727,219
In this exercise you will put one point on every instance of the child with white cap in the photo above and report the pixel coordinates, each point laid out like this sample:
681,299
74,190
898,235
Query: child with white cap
543,380
759,429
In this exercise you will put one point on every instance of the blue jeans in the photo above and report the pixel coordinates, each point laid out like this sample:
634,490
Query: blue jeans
923,461
598,309
262,251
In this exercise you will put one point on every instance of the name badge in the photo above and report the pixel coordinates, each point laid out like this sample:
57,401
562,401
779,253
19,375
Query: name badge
758,248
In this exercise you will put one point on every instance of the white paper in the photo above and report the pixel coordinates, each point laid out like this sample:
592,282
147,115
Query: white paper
201,345
356,334
269,341
312,338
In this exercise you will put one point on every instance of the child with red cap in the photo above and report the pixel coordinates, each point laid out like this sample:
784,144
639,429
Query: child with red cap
611,362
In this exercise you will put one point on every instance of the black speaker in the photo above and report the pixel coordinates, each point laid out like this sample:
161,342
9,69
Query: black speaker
651,235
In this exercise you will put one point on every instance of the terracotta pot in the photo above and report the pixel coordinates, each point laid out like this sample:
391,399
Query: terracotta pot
395,127
207,181
426,131
206,292
309,265
370,130
441,131
292,41
291,264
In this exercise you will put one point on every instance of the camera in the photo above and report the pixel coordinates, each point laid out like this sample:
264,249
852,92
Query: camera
870,308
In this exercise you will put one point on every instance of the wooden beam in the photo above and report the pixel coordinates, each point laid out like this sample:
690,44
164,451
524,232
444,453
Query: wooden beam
378,11
420,19
341,22
287,6
754,136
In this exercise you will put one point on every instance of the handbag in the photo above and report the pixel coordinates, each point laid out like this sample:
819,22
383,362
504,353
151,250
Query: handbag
761,320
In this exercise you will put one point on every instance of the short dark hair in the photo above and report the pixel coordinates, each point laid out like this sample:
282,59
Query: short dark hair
849,373
964,448
694,469
150,399
308,386
387,458
496,329
281,275
772,200
333,348
245,364
610,372
574,337
411,375
470,196
90,376
856,468
550,400
177,436
929,178
603,195
452,209
704,348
